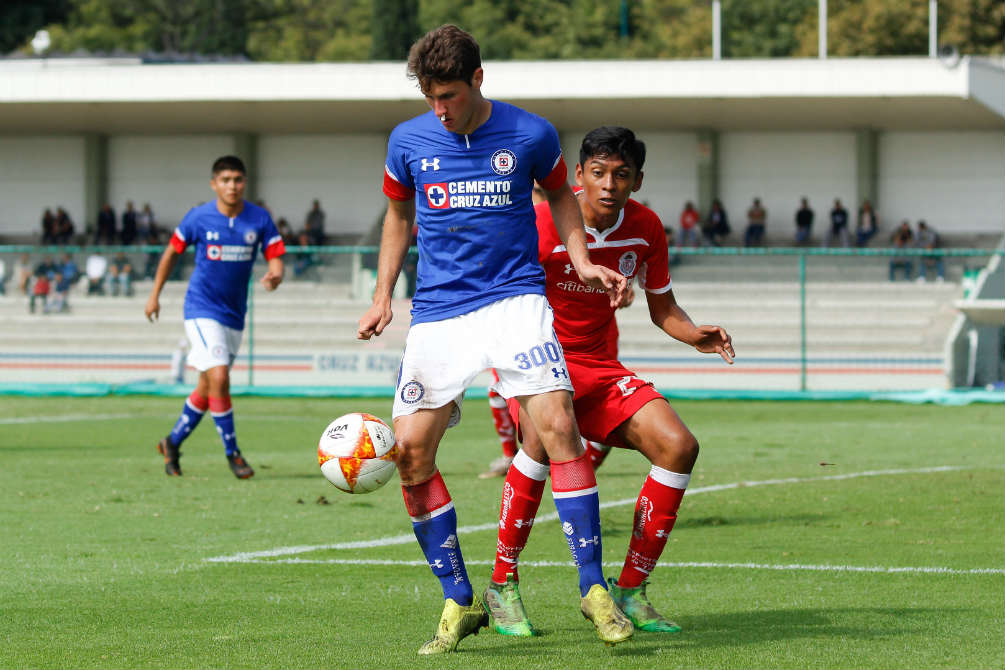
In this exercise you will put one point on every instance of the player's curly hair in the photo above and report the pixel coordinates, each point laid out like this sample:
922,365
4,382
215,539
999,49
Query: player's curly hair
613,141
444,54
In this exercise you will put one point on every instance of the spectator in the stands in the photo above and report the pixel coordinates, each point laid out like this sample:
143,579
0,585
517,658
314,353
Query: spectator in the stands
839,225
95,268
867,225
804,222
45,272
757,220
48,227
144,222
689,222
129,224
902,238
105,231
314,224
64,227
717,225
927,238
22,274
120,275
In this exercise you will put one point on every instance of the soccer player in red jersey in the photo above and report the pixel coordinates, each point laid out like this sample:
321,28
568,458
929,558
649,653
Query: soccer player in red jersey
612,405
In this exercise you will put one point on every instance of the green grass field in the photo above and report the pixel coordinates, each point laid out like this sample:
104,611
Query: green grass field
105,560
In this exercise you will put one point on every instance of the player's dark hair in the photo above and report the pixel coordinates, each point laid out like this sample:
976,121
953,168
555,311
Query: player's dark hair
613,141
228,163
444,54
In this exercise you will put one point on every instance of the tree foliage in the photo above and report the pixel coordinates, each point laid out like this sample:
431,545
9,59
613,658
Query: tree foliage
337,30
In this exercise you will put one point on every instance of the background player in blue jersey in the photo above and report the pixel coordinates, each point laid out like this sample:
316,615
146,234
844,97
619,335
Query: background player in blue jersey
227,233
464,172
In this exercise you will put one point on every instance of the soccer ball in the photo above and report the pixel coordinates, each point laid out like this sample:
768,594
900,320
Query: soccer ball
356,453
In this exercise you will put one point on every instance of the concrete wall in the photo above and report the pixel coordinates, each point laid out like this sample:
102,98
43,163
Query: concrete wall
171,172
953,180
345,172
780,168
40,172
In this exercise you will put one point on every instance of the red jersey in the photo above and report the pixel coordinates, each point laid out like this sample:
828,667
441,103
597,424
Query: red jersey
634,246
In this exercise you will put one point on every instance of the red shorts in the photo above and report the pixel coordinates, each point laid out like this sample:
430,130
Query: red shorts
607,395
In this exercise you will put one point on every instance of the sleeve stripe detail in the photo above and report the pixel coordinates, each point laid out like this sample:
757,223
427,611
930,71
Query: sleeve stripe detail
178,242
394,189
660,290
557,176
275,249
604,244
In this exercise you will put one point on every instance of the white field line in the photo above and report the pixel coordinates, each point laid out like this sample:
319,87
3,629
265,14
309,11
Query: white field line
740,566
67,417
248,556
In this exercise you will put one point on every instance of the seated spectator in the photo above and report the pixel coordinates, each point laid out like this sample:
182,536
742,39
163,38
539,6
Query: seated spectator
60,293
144,222
902,238
48,227
286,232
804,222
42,284
929,239
314,225
689,220
22,273
95,268
716,226
671,243
867,225
68,268
757,219
839,225
64,227
105,232
120,275
129,223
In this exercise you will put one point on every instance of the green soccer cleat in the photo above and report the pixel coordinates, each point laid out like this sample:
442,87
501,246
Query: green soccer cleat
456,623
636,606
611,623
506,609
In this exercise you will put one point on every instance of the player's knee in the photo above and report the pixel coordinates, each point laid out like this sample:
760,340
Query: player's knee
413,459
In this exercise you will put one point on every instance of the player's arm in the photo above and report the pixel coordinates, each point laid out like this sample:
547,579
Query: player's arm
674,321
569,225
164,268
274,274
394,241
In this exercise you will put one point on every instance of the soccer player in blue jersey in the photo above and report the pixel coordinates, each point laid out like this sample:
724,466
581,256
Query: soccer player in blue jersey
227,233
464,172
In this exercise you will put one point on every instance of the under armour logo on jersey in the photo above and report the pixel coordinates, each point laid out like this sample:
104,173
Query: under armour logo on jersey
585,542
568,268
662,533
212,235
560,373
436,564
450,543
435,164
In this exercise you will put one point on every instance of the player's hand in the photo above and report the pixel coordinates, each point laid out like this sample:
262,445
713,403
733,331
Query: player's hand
374,321
598,276
153,308
629,298
271,280
715,340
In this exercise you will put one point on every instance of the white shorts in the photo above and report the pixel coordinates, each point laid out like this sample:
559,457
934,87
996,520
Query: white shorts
212,343
513,335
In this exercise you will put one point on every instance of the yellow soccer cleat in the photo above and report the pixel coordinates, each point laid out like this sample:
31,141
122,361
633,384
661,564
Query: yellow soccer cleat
611,623
456,623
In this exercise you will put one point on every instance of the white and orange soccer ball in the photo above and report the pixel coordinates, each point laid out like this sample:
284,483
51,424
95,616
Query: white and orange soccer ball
356,453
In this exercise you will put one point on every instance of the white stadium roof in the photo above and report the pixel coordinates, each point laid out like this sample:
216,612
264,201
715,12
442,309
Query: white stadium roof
126,96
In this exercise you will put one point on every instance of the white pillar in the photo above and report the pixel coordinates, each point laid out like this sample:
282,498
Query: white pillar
821,28
716,29
933,28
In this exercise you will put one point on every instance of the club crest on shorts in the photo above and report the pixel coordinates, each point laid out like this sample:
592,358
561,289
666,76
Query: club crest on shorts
627,263
412,392
250,237
503,162
219,352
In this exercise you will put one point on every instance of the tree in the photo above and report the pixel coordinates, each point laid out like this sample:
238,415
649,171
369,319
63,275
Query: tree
20,19
394,26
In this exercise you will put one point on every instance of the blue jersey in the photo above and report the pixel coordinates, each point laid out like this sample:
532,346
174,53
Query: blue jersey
225,250
476,233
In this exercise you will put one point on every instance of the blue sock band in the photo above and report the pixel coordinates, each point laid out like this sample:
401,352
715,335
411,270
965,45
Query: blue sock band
189,419
580,517
225,427
438,538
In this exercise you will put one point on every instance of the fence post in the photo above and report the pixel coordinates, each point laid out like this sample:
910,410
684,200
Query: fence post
802,321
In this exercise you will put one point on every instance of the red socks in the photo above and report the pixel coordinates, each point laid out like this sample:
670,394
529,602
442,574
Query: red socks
521,497
655,514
